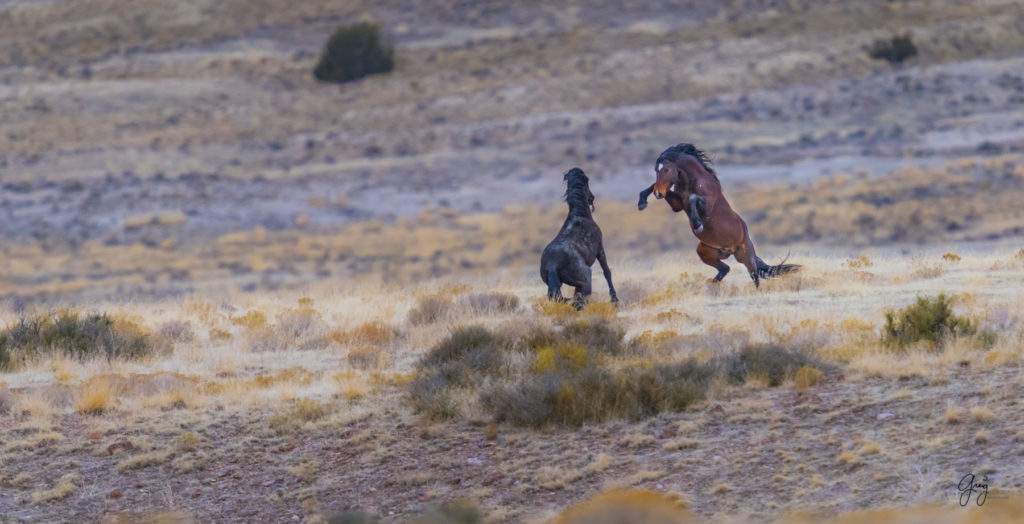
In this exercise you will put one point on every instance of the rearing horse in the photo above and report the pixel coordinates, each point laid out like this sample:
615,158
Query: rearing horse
688,184
567,259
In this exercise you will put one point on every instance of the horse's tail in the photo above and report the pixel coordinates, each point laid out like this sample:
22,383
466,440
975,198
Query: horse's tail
782,268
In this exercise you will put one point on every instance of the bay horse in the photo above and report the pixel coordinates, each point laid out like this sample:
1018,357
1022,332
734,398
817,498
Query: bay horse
687,183
567,259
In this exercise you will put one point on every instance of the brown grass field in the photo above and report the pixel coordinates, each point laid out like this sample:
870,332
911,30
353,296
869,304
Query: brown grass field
231,293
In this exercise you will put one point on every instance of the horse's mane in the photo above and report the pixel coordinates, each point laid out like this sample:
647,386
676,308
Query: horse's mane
674,154
576,185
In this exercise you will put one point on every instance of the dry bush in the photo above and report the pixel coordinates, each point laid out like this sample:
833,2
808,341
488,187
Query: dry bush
376,333
622,505
253,320
429,310
774,364
365,358
491,302
98,395
806,377
177,330
297,323
80,337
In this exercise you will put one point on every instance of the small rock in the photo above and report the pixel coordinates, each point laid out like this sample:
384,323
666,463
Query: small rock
474,461
116,494
885,416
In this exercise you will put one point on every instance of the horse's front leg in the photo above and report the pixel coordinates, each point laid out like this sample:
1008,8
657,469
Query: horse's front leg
644,195
698,212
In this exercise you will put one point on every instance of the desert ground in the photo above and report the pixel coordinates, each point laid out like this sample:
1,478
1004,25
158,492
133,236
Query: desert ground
230,292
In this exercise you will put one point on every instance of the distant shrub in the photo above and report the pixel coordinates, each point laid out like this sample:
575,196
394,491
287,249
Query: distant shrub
430,310
492,302
929,319
352,52
894,50
81,337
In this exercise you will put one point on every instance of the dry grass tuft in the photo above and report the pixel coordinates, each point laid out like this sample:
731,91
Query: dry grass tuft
954,414
627,505
981,414
64,487
374,333
97,396
806,377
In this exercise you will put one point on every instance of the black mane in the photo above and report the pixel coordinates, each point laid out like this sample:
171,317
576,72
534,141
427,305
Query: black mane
674,154
577,192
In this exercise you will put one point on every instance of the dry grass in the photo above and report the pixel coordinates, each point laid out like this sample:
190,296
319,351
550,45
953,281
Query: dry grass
64,487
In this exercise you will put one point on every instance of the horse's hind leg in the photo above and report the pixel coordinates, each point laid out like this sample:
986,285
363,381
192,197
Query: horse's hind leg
713,258
554,286
745,254
582,294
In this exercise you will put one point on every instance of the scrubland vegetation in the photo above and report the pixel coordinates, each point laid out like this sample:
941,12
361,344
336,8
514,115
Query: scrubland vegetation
644,396
232,292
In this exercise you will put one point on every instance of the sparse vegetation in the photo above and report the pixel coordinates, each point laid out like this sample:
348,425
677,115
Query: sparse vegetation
352,52
76,336
430,310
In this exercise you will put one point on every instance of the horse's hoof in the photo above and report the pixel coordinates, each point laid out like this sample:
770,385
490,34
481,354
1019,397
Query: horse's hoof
641,206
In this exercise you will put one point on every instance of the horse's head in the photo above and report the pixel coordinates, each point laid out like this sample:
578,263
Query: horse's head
578,188
667,177
670,177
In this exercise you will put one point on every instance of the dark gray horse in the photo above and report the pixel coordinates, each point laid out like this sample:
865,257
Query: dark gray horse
567,259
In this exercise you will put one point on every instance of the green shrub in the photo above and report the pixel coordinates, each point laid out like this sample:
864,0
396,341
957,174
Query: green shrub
929,319
352,52
895,50
775,364
67,333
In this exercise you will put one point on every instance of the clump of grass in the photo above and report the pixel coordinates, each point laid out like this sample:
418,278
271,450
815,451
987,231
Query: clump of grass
64,487
298,413
430,310
894,50
492,302
806,377
376,333
98,396
929,319
76,336
352,52
365,358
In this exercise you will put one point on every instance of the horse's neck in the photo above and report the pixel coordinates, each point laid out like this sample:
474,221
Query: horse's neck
578,205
